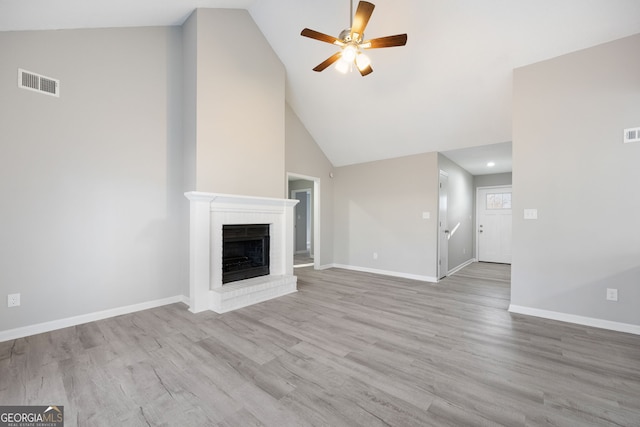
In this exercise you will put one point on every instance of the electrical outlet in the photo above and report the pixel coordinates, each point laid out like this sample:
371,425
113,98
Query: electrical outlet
375,255
13,300
612,294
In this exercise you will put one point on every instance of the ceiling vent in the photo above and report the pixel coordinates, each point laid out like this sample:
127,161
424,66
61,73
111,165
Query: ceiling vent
631,135
38,83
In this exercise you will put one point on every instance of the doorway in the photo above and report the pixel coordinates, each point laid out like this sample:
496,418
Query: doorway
302,222
306,189
494,218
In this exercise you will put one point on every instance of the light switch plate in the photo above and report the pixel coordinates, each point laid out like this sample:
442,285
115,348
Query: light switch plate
426,215
531,214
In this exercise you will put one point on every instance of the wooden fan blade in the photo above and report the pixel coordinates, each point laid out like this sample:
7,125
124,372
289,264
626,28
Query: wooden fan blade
389,41
366,71
312,34
328,62
360,21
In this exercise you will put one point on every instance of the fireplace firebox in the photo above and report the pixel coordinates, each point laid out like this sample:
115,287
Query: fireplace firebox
245,251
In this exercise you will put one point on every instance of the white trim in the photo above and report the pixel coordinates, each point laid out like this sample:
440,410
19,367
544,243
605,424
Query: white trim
326,267
387,273
579,320
439,245
461,266
25,331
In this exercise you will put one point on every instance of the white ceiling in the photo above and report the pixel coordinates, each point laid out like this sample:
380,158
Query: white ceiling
449,88
476,159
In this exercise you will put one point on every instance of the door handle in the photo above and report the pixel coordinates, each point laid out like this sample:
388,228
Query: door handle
446,231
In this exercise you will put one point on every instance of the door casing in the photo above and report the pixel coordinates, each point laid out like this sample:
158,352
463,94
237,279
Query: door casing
443,231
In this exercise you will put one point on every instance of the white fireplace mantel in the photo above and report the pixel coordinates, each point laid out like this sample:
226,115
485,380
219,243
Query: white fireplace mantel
208,213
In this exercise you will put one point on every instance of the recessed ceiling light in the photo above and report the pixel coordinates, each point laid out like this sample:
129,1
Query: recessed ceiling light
491,164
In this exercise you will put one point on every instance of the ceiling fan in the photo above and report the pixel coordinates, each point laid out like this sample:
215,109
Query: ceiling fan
351,41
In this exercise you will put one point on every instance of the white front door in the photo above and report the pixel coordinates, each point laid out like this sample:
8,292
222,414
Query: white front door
494,224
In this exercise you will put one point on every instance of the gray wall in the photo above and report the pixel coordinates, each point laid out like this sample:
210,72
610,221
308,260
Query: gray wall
378,208
570,163
304,157
492,180
240,117
460,209
92,214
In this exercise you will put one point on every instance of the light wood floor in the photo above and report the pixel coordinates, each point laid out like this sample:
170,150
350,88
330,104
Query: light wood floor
348,349
302,259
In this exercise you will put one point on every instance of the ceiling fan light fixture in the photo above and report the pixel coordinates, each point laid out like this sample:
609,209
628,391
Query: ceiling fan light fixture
352,40
349,53
362,61
342,66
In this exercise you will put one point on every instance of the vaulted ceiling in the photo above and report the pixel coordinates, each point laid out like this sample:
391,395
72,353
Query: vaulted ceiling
448,88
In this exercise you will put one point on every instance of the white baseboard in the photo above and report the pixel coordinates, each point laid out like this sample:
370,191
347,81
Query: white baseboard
579,320
387,273
325,267
25,331
461,266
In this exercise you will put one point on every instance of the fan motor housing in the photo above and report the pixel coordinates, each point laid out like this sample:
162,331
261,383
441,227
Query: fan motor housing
345,36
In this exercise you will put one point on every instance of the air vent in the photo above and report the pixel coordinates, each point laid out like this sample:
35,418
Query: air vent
631,135
38,83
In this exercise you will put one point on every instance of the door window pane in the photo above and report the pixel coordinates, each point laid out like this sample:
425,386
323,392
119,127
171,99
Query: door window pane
498,200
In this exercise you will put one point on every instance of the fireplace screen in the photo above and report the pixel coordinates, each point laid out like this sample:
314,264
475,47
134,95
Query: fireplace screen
245,251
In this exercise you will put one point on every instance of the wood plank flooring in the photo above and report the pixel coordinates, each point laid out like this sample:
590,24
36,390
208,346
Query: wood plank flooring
348,349
302,259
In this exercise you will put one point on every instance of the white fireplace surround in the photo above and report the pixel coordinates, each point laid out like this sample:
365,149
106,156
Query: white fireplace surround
208,213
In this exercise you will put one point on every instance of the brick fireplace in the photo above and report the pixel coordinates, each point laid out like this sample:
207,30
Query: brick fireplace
209,212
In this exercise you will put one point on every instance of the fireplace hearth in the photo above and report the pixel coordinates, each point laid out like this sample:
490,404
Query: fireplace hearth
245,251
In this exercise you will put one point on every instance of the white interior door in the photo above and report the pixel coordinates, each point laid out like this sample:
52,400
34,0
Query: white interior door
443,228
494,224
